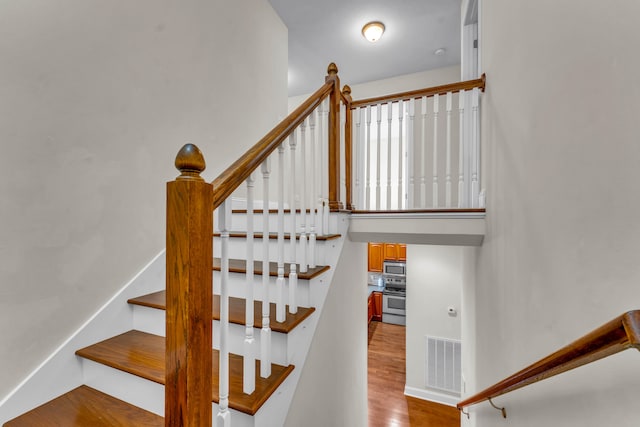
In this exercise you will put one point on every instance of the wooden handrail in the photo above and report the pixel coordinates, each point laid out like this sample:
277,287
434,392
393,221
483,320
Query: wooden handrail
431,91
621,333
239,171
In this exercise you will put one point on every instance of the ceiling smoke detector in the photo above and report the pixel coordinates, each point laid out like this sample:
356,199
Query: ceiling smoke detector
372,31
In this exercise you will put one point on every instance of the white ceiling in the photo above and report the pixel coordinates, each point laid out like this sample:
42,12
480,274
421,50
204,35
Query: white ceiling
324,31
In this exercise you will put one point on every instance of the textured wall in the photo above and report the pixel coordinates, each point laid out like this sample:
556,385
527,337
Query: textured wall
561,170
96,98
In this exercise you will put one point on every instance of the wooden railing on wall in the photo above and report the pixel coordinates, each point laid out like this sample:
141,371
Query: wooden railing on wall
190,206
620,334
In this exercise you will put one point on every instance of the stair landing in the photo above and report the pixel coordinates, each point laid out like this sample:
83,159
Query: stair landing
237,311
83,407
143,354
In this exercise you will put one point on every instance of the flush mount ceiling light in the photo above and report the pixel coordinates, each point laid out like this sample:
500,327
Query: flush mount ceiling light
372,31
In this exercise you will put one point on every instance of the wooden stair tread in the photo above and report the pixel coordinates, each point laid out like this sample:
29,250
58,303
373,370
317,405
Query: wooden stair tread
143,354
273,236
237,311
239,266
86,407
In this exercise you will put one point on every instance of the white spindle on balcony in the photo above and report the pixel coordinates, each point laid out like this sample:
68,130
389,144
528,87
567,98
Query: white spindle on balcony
389,140
359,160
249,378
436,102
293,275
311,259
368,161
265,334
461,150
400,152
410,154
280,306
448,158
423,150
224,214
475,150
379,151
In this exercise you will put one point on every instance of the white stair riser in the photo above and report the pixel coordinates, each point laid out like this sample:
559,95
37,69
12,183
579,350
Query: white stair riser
152,320
237,286
239,222
140,392
238,249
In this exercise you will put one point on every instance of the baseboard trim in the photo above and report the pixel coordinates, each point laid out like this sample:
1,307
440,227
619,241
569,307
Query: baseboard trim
63,356
431,396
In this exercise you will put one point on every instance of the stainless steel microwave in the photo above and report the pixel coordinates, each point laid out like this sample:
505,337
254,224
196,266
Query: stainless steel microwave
393,268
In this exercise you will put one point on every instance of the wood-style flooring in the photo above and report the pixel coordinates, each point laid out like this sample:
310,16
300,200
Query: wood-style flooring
388,406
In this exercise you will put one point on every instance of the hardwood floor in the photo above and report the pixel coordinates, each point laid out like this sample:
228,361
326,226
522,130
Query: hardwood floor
388,406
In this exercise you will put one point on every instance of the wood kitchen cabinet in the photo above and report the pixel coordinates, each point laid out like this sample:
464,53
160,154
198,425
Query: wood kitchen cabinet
390,251
377,306
402,252
374,307
376,257
394,251
380,252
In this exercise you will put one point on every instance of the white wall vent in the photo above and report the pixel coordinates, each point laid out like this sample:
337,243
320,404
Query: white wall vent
443,370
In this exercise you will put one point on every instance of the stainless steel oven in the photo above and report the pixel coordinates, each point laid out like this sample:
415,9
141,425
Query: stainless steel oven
393,307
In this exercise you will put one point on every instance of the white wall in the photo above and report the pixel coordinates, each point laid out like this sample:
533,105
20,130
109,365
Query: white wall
434,283
96,98
561,155
393,85
332,390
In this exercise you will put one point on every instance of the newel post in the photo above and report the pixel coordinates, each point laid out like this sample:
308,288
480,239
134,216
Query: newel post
189,294
334,138
348,145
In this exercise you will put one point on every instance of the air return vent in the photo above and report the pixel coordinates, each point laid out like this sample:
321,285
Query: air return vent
443,370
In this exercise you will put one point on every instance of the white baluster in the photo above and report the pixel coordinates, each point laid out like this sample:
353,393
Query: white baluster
475,153
436,99
410,155
224,213
265,334
368,162
249,376
280,306
343,155
358,160
461,150
302,197
293,275
378,167
448,164
325,171
317,191
400,152
389,123
311,259
423,163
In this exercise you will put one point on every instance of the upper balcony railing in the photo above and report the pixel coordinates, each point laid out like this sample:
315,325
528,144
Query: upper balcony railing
415,150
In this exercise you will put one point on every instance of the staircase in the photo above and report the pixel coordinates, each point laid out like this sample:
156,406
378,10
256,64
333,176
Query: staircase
152,352
124,375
